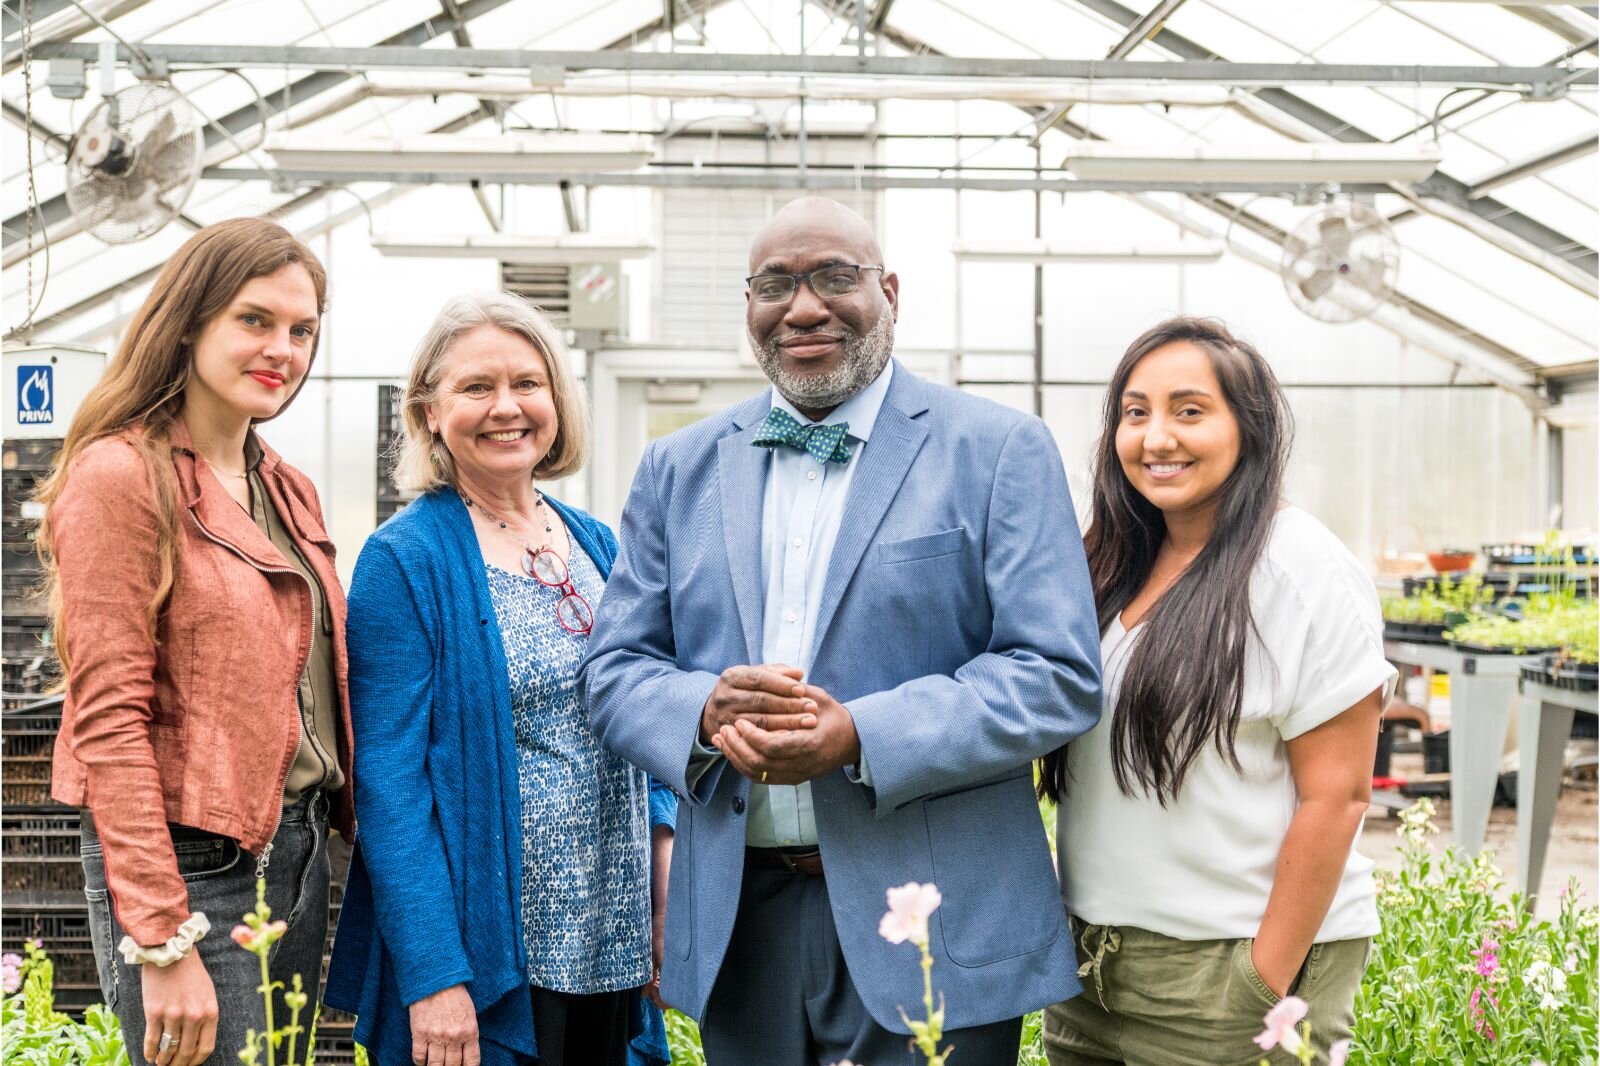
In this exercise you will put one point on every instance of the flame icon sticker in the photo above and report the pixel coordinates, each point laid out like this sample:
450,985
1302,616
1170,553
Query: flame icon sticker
34,400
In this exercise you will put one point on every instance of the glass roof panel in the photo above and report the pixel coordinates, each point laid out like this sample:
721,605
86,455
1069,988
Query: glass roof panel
1390,37
1233,37
1496,34
1579,178
1526,128
1444,264
1553,208
1306,28
1372,112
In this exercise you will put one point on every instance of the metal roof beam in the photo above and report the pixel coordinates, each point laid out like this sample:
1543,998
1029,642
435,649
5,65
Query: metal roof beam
1458,344
67,28
1215,71
1140,31
55,213
454,125
1440,185
879,15
1554,157
709,175
38,11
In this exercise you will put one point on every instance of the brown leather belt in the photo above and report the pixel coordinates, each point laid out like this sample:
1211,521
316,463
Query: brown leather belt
799,862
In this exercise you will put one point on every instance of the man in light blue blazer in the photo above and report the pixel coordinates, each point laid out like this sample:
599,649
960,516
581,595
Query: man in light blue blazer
847,616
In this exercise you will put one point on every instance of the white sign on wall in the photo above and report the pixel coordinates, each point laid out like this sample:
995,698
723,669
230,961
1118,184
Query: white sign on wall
44,384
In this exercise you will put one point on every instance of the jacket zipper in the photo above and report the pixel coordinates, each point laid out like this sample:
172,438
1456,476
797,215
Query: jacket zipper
265,857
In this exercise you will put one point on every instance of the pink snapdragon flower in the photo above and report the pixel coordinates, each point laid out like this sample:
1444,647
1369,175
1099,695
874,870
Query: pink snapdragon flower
909,908
10,972
1488,961
1280,1025
257,939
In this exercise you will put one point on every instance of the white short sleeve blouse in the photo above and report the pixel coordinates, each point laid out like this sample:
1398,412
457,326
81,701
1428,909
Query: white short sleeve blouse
1202,867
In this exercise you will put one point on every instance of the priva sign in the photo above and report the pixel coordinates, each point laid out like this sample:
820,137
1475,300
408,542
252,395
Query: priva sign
35,395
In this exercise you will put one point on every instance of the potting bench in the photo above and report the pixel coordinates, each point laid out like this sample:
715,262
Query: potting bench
1543,726
1483,688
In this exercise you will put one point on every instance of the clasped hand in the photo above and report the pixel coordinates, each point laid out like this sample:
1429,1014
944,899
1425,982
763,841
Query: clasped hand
776,729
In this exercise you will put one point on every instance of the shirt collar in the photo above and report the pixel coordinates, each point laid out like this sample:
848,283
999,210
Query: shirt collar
860,410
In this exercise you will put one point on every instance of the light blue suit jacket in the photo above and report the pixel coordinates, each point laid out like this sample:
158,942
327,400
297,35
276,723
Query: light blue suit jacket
958,627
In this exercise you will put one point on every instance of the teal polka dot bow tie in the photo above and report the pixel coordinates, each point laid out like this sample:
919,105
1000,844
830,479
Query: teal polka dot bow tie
825,444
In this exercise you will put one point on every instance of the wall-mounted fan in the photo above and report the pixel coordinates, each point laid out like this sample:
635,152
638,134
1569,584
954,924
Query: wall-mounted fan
1340,263
134,162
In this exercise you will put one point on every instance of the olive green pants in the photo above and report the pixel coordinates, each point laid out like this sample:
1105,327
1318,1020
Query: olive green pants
1150,1000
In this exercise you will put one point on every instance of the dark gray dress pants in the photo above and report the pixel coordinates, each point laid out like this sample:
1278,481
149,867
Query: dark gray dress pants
785,998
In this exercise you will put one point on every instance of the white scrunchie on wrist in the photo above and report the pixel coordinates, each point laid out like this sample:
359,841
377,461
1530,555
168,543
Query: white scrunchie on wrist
179,945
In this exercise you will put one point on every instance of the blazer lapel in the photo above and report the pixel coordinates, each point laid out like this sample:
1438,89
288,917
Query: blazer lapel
885,460
742,478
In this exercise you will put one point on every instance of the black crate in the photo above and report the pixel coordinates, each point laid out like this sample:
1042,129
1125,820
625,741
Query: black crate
40,852
1436,752
26,636
64,933
27,743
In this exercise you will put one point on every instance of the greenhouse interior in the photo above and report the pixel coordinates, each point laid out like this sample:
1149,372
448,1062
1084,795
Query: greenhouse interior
1389,208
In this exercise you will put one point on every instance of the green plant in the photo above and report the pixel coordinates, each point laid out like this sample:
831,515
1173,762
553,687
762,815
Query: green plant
1440,601
683,1040
257,935
33,1032
1462,972
1550,623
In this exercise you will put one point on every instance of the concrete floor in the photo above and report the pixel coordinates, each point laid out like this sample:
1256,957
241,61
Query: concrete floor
1574,839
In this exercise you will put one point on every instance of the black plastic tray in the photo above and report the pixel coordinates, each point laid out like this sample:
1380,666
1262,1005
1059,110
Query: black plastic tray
1415,632
1480,649
1564,673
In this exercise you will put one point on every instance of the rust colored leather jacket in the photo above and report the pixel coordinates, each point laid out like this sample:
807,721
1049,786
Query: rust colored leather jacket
201,725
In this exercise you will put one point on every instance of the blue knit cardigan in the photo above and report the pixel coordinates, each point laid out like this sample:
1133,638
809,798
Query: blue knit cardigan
433,896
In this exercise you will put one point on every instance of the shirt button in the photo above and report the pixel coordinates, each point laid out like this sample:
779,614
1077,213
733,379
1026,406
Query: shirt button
811,475
797,542
788,840
793,617
738,805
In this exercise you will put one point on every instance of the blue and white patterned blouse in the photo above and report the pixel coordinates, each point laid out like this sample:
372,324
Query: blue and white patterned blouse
585,837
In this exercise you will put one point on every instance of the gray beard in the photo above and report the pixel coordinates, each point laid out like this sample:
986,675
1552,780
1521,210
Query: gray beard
864,359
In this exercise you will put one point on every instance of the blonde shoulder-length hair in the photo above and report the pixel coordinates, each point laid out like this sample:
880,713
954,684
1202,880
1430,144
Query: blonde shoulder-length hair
422,462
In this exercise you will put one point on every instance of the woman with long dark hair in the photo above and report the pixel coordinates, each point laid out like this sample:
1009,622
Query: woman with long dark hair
200,622
1207,826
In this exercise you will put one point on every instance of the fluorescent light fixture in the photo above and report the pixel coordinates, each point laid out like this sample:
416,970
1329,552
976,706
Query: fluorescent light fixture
448,153
517,248
1040,251
1288,163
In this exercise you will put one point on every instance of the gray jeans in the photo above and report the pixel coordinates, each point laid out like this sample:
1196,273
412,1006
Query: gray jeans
221,877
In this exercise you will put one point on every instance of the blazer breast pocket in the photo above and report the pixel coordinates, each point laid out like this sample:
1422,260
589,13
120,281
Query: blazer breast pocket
930,546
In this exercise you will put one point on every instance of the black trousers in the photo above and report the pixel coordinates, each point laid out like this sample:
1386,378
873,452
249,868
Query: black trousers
574,1030
785,998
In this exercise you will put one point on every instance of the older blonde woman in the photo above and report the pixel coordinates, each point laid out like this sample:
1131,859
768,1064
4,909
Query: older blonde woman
499,905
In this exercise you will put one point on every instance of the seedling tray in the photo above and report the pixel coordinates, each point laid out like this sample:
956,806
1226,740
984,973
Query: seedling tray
1414,632
1564,673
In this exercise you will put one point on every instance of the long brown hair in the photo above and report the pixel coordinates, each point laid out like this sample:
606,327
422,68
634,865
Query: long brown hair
142,388
1180,692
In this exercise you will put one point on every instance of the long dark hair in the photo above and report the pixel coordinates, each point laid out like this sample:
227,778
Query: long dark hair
1184,683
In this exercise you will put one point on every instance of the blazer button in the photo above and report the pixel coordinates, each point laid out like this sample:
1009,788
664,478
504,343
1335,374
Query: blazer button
738,805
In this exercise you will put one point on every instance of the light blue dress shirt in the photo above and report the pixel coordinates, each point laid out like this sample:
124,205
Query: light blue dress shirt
800,517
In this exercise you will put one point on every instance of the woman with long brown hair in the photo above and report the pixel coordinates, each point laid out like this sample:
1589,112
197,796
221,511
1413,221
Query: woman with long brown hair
200,622
1207,826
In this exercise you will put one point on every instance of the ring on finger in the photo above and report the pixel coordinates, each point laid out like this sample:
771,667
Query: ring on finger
763,777
164,1044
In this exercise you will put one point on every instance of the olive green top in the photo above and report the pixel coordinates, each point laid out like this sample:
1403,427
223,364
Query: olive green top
317,762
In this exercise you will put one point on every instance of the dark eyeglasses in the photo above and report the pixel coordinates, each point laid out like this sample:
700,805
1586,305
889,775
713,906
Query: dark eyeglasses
829,282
